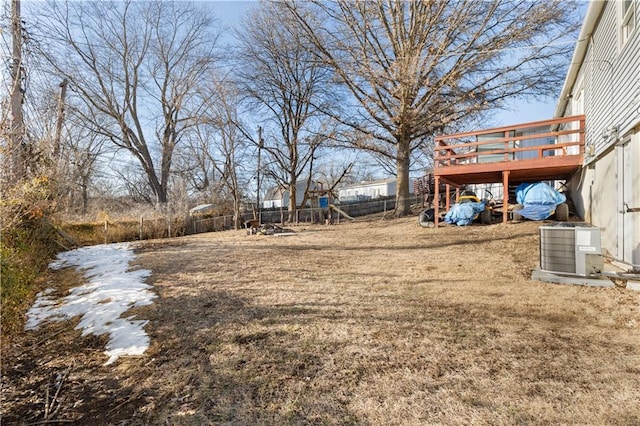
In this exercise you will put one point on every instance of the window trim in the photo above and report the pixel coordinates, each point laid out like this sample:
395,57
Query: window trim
628,19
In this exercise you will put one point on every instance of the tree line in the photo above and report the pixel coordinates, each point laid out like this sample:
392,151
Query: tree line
177,106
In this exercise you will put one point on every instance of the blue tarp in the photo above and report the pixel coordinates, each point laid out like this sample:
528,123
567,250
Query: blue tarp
539,200
463,213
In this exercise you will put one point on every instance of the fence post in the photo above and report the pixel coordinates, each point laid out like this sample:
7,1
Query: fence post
106,230
141,227
169,227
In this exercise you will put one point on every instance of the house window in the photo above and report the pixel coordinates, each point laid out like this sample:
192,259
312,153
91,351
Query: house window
628,19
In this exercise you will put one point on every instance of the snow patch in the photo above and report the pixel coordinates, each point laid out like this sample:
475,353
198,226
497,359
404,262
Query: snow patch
112,290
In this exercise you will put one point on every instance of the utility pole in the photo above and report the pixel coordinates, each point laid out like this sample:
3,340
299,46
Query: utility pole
59,120
260,145
16,144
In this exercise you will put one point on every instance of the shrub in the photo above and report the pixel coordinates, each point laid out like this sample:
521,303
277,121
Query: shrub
27,244
115,231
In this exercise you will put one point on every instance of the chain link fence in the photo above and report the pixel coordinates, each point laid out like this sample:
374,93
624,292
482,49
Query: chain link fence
167,227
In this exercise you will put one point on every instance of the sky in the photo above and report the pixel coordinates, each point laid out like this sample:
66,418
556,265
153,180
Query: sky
230,12
110,290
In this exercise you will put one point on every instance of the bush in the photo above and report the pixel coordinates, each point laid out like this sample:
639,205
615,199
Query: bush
27,244
25,254
115,231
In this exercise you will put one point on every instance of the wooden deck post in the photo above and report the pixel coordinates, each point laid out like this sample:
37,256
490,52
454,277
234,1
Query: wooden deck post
505,196
448,199
436,201
581,135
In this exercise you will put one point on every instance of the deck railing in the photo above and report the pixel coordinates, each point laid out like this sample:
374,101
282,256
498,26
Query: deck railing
556,137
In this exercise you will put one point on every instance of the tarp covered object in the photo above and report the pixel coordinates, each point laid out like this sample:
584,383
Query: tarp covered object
463,213
539,200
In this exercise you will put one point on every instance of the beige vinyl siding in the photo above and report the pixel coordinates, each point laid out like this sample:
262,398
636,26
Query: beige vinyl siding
603,196
594,193
631,196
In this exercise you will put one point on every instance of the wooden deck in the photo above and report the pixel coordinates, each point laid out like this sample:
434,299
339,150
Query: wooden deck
530,152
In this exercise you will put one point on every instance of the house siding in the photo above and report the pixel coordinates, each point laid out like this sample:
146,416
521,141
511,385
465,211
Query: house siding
367,191
629,223
278,197
370,190
599,195
610,79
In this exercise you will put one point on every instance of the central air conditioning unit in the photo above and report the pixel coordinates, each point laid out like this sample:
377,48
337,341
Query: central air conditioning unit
571,248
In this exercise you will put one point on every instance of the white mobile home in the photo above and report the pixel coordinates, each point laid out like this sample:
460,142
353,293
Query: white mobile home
278,196
603,83
370,190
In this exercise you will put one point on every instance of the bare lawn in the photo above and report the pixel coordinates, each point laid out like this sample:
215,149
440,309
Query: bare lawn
367,323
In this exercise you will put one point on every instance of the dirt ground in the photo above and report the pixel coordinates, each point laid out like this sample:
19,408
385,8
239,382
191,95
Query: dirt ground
367,323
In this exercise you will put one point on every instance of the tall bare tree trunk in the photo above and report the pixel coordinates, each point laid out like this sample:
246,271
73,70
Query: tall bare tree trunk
85,193
292,199
403,203
16,148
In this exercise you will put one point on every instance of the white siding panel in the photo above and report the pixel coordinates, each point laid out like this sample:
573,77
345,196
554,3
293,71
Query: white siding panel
600,78
627,85
612,80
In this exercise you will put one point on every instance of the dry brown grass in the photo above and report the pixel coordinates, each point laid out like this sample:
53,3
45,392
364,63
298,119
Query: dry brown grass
379,323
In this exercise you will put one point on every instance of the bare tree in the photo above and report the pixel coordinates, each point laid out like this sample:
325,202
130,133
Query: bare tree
25,103
135,65
219,148
63,147
335,172
416,67
16,145
78,161
288,89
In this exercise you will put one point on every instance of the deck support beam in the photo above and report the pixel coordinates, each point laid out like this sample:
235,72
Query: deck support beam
436,201
447,201
505,196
